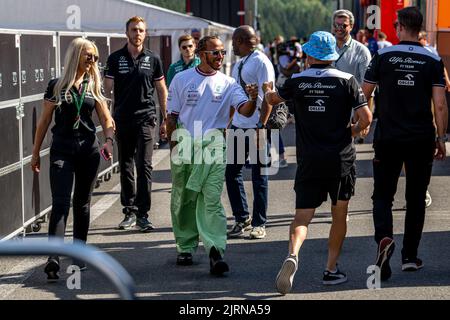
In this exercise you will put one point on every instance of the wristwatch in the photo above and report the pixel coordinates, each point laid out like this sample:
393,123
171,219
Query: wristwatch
260,125
444,138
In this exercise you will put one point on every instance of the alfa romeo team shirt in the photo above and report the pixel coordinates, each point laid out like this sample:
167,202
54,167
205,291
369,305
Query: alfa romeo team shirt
323,101
406,74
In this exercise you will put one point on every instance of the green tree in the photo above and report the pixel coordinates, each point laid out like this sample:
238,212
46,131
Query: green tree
294,17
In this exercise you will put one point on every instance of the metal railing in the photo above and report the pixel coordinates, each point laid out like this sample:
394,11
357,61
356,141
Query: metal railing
100,260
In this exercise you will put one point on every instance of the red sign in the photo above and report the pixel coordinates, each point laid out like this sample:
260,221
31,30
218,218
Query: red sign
389,10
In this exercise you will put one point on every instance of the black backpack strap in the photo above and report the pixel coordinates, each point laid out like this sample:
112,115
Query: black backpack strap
241,65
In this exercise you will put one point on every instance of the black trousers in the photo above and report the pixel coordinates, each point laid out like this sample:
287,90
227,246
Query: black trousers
389,158
80,167
135,142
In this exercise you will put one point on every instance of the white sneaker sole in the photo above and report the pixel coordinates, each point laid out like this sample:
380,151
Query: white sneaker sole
411,267
286,276
127,227
334,282
259,236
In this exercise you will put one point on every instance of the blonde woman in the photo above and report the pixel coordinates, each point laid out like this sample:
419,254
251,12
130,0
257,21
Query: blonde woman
74,152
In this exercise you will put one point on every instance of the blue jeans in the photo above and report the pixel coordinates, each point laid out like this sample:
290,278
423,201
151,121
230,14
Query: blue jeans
236,190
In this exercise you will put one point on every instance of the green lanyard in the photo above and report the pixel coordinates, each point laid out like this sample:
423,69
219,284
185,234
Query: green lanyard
78,104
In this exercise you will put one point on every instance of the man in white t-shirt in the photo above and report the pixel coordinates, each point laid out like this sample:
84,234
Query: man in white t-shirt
254,67
199,106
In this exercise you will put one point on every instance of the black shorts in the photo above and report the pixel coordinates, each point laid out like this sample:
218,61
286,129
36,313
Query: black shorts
311,193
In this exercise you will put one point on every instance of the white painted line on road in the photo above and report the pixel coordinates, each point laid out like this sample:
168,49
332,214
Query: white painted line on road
14,278
102,205
105,203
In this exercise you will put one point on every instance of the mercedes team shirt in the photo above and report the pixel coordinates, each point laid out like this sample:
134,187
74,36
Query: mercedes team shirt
134,83
203,98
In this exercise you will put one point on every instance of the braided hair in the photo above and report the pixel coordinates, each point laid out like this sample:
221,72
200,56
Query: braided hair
202,44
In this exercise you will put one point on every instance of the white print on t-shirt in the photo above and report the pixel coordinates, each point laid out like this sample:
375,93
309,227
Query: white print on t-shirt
317,85
318,107
146,63
395,60
409,82
123,65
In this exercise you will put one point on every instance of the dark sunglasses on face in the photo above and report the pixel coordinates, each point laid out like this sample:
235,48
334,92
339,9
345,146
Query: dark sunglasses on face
92,57
190,46
216,52
396,23
340,26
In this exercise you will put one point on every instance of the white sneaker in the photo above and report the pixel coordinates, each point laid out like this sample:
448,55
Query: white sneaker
285,277
258,232
280,163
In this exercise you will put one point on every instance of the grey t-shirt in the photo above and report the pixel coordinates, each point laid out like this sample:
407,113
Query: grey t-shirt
354,58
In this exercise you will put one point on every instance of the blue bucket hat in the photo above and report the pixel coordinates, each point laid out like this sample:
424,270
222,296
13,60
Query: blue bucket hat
321,46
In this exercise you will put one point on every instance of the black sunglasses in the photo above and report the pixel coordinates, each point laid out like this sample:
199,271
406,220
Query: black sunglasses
91,57
188,46
340,26
216,52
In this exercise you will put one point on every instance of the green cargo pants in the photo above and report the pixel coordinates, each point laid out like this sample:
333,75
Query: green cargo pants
196,207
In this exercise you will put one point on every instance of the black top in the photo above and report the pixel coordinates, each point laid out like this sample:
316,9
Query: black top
134,83
64,134
323,101
405,74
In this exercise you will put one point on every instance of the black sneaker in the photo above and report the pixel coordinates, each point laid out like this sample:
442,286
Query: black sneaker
184,259
385,251
52,269
332,278
412,264
128,222
239,227
217,266
144,225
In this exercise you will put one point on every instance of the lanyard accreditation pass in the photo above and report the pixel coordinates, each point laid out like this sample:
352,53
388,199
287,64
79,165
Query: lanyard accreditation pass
78,104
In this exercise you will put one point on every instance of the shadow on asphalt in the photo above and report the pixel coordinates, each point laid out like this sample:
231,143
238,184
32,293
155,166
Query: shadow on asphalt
254,266
363,167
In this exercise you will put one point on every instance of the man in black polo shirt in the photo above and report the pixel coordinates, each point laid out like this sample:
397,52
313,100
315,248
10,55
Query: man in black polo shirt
133,73
409,77
324,98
